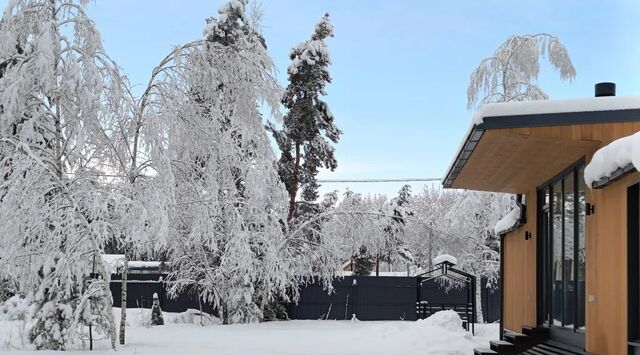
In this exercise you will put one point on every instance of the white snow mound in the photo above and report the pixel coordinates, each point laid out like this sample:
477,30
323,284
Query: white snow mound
445,257
615,155
507,222
449,320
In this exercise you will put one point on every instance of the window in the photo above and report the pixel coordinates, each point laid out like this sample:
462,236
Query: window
561,215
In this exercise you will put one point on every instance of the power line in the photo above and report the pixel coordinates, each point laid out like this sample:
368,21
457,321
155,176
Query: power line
379,180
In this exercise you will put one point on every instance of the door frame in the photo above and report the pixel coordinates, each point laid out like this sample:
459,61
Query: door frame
633,265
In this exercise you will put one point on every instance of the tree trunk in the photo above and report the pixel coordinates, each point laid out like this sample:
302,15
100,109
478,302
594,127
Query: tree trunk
478,296
378,264
225,314
123,296
125,266
294,184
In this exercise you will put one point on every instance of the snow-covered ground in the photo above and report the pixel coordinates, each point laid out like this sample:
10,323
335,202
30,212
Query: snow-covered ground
440,334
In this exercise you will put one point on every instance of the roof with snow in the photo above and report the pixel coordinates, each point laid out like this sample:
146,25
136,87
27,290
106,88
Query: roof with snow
511,147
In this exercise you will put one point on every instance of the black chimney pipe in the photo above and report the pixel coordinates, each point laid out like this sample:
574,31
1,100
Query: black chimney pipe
605,89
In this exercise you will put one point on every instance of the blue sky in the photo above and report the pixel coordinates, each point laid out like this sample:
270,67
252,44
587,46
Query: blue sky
400,68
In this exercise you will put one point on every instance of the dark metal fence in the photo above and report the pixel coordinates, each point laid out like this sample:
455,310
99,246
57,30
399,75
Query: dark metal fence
140,290
385,298
369,298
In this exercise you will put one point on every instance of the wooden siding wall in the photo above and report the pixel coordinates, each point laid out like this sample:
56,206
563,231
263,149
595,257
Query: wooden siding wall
606,239
606,287
520,272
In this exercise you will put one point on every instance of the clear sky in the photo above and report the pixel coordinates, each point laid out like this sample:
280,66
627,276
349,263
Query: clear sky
400,68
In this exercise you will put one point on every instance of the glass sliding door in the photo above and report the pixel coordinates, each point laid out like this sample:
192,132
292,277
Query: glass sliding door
561,216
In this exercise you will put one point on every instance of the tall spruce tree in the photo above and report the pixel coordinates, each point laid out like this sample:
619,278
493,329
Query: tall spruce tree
308,127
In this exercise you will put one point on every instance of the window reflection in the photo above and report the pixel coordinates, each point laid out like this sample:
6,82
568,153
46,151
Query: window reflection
568,281
582,253
557,254
564,251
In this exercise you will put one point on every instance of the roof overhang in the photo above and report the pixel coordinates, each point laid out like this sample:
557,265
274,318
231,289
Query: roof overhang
497,156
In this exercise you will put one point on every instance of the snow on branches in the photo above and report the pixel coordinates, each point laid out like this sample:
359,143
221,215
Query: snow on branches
308,127
56,90
511,73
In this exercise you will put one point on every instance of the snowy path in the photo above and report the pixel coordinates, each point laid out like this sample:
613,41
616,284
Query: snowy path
298,337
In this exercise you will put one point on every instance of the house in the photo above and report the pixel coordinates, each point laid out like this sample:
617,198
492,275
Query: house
570,251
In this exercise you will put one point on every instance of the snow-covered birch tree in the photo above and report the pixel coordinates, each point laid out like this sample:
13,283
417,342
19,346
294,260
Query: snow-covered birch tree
427,231
56,89
511,73
471,236
141,177
228,225
308,126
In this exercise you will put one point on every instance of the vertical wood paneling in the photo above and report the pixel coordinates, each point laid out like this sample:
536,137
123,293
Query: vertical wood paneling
520,273
606,233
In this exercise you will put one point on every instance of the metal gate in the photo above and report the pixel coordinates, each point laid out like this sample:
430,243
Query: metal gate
426,305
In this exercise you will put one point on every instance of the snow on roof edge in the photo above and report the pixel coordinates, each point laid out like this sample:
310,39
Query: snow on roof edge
590,104
616,155
509,221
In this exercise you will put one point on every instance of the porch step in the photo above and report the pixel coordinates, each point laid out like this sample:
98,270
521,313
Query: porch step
536,332
550,347
532,341
518,339
502,347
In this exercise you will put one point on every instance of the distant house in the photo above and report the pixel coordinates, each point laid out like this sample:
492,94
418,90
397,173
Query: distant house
570,251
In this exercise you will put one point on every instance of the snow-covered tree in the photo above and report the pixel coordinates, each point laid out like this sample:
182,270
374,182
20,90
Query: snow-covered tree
56,92
140,172
511,73
308,126
228,238
397,211
427,231
371,227
471,236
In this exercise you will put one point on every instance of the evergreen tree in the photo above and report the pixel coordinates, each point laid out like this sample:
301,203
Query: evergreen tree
308,127
362,263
